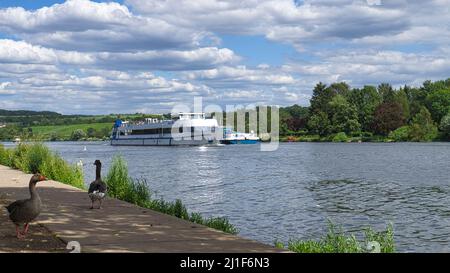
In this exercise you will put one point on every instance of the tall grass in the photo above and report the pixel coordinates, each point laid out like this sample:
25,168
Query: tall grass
136,191
337,241
36,157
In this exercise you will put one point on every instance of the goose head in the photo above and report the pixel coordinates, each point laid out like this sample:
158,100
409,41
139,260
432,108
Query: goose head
37,178
98,163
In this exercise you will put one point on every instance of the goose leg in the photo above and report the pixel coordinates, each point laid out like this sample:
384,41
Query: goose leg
100,201
19,235
25,230
92,205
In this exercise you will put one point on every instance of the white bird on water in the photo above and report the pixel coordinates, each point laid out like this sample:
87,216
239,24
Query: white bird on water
84,149
80,164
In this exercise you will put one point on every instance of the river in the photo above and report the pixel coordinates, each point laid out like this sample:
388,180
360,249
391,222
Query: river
293,191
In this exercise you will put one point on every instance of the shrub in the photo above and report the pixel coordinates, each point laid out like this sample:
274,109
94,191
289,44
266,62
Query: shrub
340,137
37,157
400,134
337,241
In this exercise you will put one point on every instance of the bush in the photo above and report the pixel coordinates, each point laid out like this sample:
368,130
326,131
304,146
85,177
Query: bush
36,157
6,156
400,134
340,137
337,241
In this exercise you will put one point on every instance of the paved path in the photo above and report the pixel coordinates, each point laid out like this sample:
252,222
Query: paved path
119,226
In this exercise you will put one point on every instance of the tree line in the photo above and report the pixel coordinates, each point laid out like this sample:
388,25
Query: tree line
372,113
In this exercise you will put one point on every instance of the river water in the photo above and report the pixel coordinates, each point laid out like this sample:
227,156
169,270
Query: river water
293,191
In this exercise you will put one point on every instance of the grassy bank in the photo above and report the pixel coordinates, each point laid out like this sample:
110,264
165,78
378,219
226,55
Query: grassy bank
337,241
136,191
32,158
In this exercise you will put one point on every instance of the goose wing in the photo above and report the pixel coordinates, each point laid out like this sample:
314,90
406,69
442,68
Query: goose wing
14,205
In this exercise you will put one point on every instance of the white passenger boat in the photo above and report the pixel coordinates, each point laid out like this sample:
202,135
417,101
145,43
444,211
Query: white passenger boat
186,129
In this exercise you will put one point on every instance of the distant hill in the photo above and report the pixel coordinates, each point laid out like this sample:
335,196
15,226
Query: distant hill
9,113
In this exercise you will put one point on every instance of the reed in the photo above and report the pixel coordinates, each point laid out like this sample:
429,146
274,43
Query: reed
36,157
337,241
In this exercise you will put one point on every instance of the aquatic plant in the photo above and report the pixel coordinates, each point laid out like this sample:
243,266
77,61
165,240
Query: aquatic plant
337,241
36,157
136,191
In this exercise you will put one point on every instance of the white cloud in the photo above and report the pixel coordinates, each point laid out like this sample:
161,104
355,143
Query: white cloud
85,56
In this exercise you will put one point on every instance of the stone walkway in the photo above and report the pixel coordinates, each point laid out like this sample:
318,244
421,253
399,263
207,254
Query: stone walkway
118,227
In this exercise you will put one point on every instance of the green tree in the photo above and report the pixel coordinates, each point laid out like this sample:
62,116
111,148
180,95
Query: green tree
340,88
365,100
445,126
386,92
402,99
423,127
320,98
438,102
344,116
319,124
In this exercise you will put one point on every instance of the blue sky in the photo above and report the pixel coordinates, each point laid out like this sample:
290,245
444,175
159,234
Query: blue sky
81,56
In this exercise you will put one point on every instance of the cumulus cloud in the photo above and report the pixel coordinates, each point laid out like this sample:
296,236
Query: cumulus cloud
146,55
84,25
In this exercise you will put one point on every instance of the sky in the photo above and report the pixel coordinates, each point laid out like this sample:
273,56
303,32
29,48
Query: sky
99,57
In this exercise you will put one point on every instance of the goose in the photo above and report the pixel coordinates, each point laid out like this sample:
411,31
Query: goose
97,188
22,212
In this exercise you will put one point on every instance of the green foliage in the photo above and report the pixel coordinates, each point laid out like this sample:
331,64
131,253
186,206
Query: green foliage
402,99
344,116
123,187
400,134
36,157
319,124
119,183
365,100
337,241
6,156
438,102
445,126
78,134
386,92
423,127
340,137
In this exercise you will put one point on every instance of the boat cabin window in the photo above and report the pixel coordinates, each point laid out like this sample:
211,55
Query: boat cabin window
156,131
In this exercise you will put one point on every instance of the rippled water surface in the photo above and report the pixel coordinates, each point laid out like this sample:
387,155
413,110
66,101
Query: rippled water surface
291,192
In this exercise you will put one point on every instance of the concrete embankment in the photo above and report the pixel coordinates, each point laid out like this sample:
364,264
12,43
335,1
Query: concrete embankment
117,227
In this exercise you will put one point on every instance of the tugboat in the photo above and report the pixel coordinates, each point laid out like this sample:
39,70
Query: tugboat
232,137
